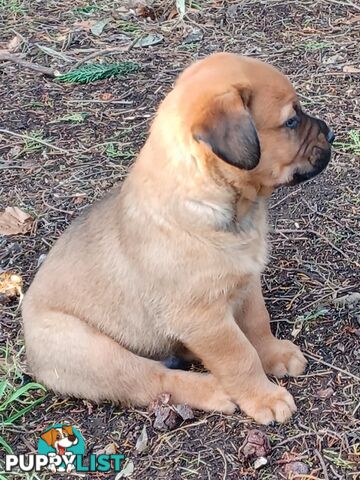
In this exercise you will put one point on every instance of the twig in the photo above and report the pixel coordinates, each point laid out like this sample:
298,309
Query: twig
318,234
107,51
322,463
225,463
37,140
5,56
98,53
330,365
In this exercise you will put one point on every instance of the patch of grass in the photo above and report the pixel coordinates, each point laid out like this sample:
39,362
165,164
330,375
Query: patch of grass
76,117
98,71
31,146
112,151
128,27
15,401
304,321
353,143
336,459
15,7
315,45
86,9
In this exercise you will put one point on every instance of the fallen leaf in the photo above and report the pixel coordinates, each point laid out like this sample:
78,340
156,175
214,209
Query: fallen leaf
141,442
14,221
168,417
351,69
325,393
110,449
354,19
14,151
333,59
14,44
256,444
127,471
195,36
350,299
98,27
184,411
260,462
106,96
84,25
181,7
152,39
10,285
295,468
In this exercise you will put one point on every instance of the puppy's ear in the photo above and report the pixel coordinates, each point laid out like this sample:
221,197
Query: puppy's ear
49,437
227,128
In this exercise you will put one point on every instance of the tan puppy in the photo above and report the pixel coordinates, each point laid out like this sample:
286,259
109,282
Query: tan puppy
171,262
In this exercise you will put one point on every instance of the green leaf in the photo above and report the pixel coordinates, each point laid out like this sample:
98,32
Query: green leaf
21,391
152,39
98,27
5,446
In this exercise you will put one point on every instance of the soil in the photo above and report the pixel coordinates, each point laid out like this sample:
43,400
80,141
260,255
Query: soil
314,235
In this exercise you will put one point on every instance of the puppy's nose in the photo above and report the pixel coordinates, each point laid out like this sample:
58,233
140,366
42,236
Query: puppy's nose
330,137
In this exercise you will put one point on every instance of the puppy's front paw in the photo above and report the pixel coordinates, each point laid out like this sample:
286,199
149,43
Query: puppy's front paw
282,357
269,404
219,401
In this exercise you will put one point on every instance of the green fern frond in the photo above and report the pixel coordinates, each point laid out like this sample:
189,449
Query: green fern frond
98,71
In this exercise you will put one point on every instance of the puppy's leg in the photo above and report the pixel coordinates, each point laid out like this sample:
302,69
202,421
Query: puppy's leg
74,359
227,353
278,357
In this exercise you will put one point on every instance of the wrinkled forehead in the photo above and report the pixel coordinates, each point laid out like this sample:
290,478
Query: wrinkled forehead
274,103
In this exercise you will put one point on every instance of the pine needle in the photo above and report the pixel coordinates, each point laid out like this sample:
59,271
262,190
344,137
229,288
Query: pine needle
98,71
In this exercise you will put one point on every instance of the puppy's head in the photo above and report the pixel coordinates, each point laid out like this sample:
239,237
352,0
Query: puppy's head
244,116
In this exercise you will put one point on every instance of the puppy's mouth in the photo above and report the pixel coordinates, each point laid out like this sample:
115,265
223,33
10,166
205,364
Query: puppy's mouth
321,163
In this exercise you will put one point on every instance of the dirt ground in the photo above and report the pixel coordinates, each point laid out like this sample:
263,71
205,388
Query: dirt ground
100,127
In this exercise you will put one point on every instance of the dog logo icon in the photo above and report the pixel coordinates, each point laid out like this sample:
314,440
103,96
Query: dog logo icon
61,442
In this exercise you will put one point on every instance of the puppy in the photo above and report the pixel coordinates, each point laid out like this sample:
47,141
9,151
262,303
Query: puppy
170,263
60,439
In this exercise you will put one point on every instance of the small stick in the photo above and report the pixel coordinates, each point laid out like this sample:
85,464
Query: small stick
6,56
318,234
322,463
28,137
330,365
108,51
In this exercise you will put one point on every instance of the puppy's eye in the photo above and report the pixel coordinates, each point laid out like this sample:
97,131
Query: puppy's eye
292,122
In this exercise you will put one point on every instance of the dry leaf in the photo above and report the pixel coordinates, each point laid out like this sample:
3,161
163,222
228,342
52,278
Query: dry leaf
127,471
168,417
325,393
98,27
10,285
85,25
354,19
260,462
351,69
13,44
110,449
14,221
148,40
295,469
141,442
106,96
184,411
256,445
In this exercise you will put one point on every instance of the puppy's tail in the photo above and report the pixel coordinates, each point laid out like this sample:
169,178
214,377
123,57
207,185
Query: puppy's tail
73,359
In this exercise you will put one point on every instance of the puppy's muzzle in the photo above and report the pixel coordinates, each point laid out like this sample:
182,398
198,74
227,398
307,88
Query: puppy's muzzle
320,152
